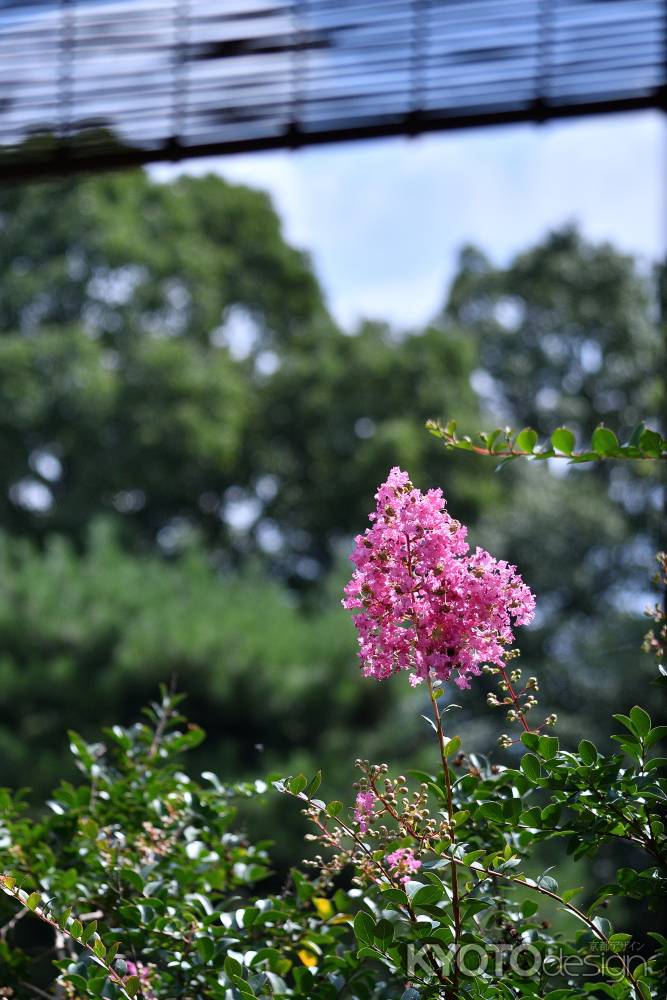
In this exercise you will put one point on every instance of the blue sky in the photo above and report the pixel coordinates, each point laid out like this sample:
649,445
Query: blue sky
384,220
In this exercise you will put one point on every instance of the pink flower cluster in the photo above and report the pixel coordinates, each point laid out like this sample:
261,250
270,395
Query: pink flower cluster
404,863
364,810
423,601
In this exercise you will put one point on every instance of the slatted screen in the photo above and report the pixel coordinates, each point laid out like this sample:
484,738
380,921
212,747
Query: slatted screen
97,83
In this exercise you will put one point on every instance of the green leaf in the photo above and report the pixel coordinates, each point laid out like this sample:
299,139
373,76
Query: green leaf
427,895
548,747
657,733
334,807
627,722
131,985
187,741
392,895
232,967
206,948
78,981
563,440
88,932
33,900
89,828
530,740
644,989
637,432
297,785
133,878
641,721
492,811
364,928
79,748
588,752
474,907
547,882
451,746
315,783
472,856
604,441
651,443
526,440
551,813
367,952
497,440
384,934
617,942
530,766
75,929
98,948
244,988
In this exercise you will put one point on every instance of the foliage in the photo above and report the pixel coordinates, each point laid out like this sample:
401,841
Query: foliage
554,328
476,838
132,870
442,901
87,635
144,886
508,445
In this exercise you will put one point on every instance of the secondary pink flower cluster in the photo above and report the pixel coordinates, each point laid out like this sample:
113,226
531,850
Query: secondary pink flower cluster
423,601
404,863
364,810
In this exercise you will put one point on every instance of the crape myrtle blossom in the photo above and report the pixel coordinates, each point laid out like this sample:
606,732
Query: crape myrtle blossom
423,601
403,863
364,809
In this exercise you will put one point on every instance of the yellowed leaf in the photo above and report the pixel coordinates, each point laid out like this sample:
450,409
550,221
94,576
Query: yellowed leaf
307,957
323,907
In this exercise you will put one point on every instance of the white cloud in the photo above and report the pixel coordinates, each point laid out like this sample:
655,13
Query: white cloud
384,220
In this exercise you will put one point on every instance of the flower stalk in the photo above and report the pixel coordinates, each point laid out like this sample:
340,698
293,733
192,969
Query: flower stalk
456,902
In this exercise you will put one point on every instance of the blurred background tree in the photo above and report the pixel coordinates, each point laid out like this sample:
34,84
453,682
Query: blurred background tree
189,442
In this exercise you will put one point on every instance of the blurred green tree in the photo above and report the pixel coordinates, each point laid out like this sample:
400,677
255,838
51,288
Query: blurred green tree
125,256
167,358
567,333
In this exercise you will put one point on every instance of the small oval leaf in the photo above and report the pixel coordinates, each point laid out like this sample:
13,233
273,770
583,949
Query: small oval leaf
526,440
563,440
604,441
